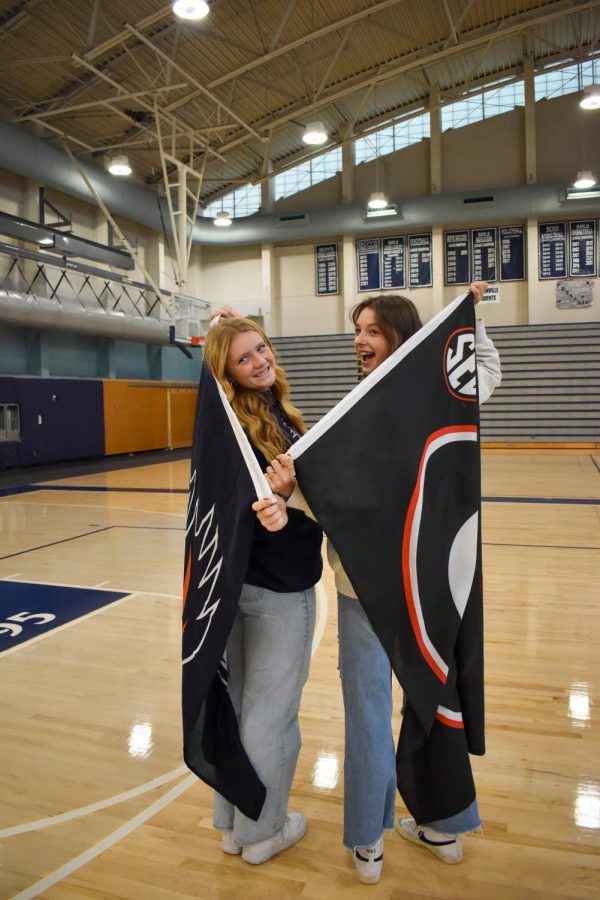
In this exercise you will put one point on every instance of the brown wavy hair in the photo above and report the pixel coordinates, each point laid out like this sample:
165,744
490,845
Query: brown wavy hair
396,316
250,406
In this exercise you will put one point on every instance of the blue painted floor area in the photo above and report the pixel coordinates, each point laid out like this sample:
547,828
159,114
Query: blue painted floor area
28,610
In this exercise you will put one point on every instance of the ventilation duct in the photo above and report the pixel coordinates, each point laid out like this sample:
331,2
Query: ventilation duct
29,311
35,159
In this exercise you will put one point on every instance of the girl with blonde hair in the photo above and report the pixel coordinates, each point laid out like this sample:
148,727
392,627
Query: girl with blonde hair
268,650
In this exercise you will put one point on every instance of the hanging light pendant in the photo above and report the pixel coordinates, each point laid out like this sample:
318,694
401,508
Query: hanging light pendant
222,219
119,165
314,133
190,9
591,97
377,200
584,180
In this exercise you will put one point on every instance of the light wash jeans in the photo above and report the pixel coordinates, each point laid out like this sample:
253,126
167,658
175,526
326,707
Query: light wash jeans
370,755
268,657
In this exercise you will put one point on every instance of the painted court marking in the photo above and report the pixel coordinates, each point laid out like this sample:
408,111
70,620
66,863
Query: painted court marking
109,841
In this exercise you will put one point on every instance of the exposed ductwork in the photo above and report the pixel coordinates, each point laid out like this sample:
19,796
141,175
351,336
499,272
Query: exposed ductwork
30,311
37,160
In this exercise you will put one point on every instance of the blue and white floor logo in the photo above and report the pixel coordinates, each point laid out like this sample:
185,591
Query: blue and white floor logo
29,610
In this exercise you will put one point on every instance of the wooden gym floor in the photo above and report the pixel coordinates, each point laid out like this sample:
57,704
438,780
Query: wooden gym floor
95,800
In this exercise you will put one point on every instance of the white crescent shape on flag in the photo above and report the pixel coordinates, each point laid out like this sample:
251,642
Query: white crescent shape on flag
410,544
462,562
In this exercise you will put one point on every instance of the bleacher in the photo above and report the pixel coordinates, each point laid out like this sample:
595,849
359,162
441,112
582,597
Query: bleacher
550,391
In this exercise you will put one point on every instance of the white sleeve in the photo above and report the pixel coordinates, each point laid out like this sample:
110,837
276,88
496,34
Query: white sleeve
488,363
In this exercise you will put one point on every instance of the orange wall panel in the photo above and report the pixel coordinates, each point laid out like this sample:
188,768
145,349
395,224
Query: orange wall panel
183,410
136,415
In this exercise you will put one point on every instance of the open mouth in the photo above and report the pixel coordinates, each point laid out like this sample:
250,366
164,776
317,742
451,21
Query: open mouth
365,356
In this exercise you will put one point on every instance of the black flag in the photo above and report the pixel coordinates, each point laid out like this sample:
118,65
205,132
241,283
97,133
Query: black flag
225,480
392,474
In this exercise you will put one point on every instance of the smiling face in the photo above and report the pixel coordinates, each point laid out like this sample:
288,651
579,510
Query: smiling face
250,361
370,342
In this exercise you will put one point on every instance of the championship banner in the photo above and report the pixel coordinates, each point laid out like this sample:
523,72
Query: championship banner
392,474
225,480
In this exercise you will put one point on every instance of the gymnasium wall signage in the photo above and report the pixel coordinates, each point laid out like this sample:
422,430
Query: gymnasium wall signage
577,294
457,257
420,272
326,270
483,254
512,252
582,248
392,249
368,262
552,250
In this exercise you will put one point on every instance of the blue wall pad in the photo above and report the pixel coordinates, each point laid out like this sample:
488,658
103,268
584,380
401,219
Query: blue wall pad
28,610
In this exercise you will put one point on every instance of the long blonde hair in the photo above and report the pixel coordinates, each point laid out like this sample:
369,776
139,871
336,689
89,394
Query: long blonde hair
251,406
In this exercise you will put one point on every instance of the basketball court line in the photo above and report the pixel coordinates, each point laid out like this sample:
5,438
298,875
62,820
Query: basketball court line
127,490
132,509
109,841
560,501
75,537
59,819
540,546
84,534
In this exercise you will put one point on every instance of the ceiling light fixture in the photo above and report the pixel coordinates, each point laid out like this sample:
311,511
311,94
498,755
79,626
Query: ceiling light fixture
584,180
314,134
222,219
119,165
190,9
390,210
591,97
377,200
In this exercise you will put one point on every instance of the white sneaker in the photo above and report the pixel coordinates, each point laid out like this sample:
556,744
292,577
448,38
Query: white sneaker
369,862
447,847
229,844
293,829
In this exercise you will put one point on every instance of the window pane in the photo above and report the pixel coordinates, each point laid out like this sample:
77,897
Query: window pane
306,174
242,202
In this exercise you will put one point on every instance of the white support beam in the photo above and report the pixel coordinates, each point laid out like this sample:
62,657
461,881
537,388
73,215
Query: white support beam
435,143
165,303
530,125
176,184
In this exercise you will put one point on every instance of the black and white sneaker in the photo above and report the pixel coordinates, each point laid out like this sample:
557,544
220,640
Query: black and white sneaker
369,862
447,847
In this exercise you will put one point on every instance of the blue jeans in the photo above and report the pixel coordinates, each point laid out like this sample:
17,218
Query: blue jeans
370,755
268,657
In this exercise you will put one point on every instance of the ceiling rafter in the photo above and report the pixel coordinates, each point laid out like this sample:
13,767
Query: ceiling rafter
190,78
201,142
